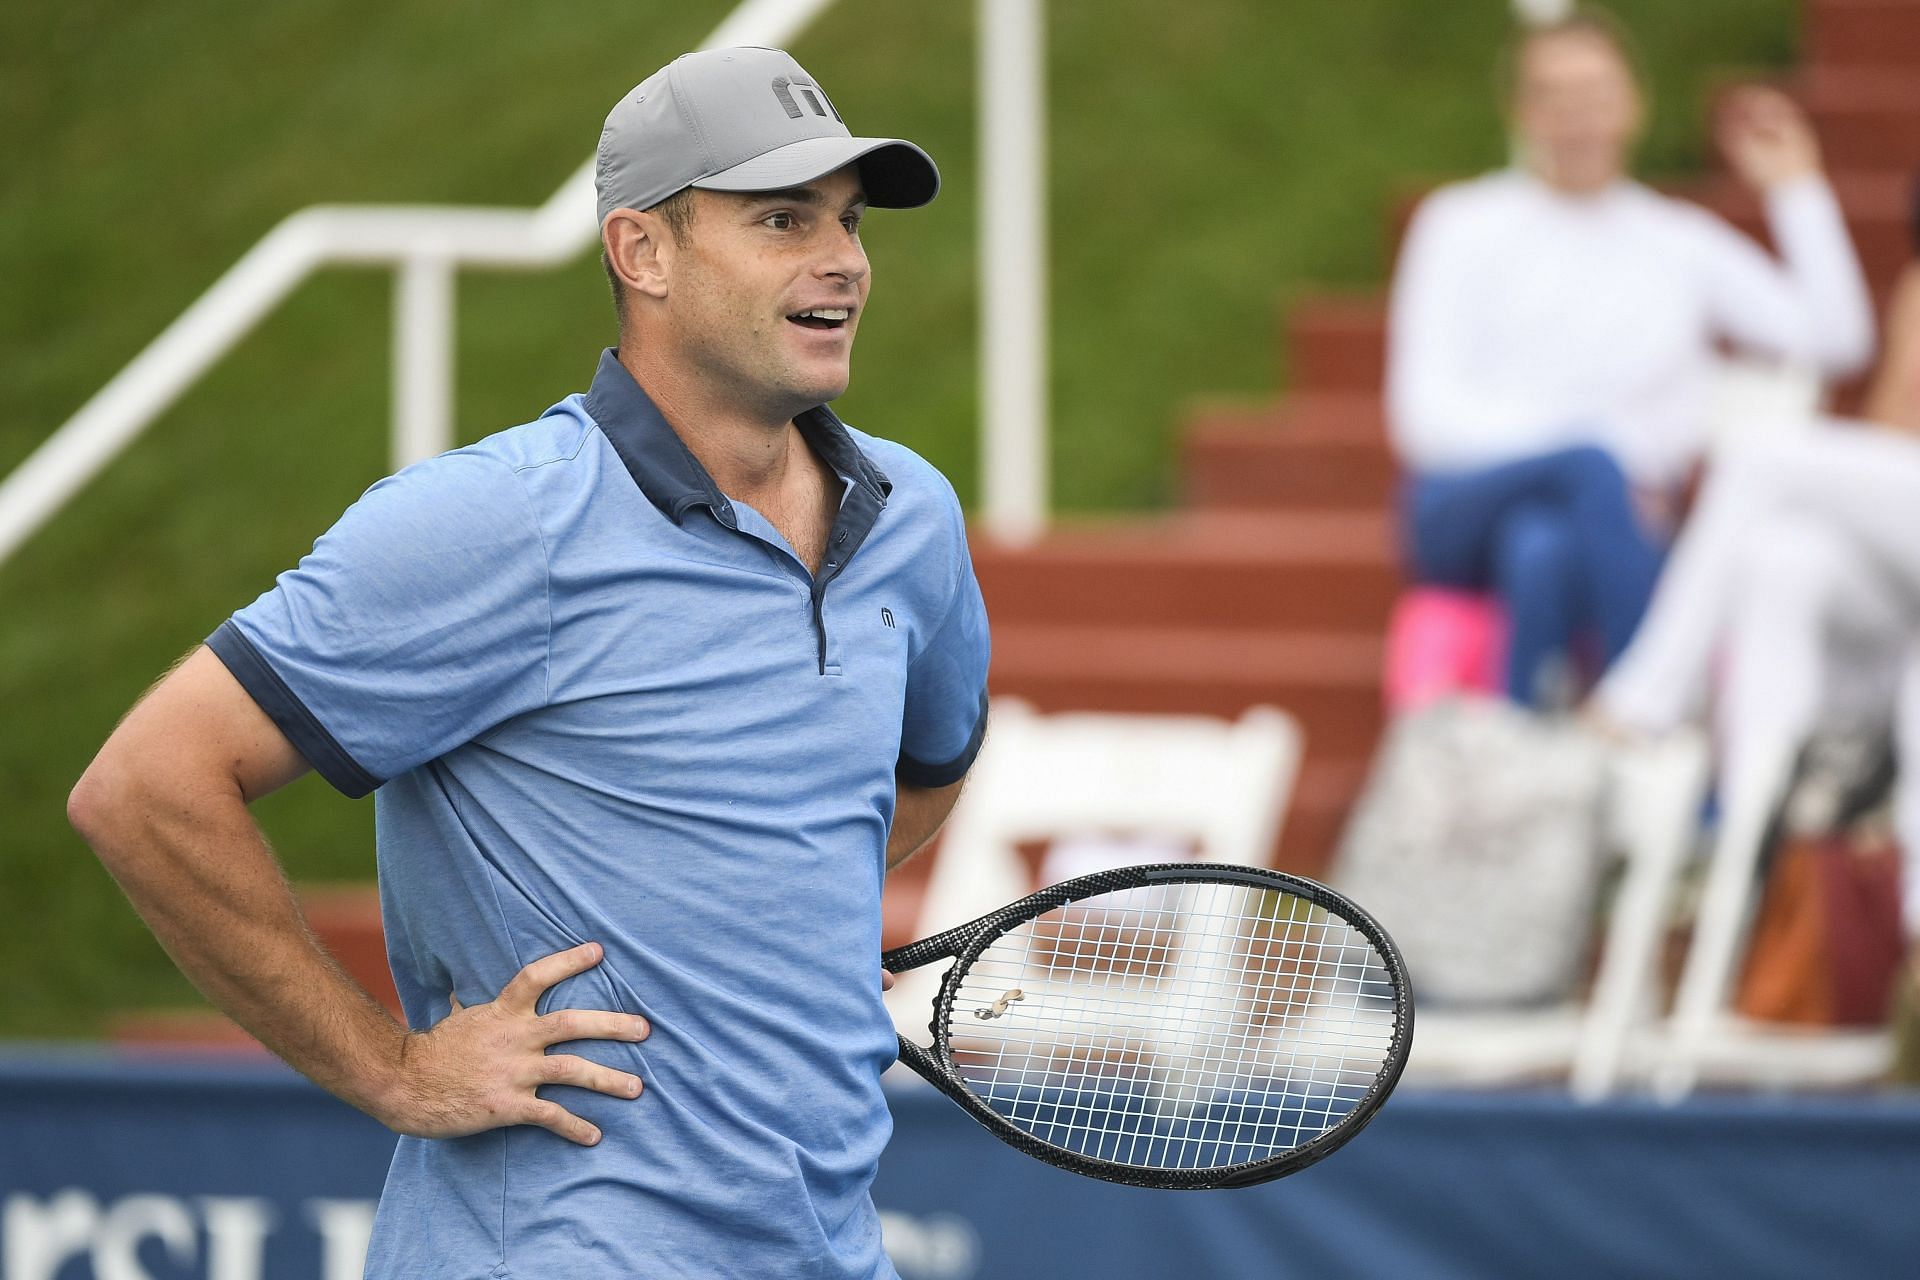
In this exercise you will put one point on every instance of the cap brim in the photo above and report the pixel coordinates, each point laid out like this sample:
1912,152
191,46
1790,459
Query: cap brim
895,173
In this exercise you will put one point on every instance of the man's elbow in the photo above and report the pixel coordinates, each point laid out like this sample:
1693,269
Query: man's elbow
115,805
99,802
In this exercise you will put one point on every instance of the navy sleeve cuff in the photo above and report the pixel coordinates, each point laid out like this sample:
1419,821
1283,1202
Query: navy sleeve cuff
920,774
308,736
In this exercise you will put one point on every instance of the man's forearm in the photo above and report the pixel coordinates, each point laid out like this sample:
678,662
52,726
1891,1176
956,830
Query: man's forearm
200,873
917,814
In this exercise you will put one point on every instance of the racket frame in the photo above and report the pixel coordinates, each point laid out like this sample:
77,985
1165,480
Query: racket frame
966,943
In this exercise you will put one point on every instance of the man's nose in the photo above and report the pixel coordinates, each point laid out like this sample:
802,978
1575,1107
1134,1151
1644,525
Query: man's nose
846,260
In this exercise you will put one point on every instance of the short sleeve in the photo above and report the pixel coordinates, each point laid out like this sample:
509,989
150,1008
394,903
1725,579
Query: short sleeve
946,701
418,622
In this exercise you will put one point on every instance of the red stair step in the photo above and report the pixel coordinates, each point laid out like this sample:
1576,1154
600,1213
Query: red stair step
1283,462
1329,681
1335,343
1867,118
1356,415
1862,33
1316,570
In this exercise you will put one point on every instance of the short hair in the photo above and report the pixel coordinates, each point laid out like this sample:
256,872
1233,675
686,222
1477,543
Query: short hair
677,212
1585,20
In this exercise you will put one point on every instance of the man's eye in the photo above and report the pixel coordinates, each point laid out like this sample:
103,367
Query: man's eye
780,221
852,224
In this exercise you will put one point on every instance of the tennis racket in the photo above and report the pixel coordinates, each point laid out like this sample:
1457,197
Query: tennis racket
1184,1025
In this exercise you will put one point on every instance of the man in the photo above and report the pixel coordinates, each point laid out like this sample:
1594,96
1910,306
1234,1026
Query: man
1554,333
652,690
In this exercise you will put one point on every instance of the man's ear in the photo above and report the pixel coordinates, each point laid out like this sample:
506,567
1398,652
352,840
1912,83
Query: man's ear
640,248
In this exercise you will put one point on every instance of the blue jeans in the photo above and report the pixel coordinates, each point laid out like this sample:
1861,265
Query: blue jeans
1555,538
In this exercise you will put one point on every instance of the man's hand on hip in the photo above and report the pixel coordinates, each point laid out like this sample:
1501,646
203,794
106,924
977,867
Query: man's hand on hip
478,1068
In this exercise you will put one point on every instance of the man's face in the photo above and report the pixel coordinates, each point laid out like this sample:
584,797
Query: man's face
766,293
1576,110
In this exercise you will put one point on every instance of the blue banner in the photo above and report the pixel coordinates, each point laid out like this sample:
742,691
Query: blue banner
193,1171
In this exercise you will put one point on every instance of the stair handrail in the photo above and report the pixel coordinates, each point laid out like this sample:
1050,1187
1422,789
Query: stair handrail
424,244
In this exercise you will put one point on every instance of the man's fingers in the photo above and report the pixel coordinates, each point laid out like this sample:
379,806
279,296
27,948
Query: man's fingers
564,1068
553,1116
591,1024
528,985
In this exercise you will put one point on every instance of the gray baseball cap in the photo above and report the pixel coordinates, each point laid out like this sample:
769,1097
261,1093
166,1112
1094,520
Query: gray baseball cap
743,120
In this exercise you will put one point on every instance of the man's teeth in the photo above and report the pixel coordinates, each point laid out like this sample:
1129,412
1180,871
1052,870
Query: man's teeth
824,313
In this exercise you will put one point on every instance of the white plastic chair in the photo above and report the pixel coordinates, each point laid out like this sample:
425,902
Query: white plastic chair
1223,785
1658,790
1705,1039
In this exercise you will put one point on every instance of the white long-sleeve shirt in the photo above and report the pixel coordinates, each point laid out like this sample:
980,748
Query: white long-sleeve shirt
1526,320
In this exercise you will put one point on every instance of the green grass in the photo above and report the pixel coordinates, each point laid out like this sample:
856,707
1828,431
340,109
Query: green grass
1207,161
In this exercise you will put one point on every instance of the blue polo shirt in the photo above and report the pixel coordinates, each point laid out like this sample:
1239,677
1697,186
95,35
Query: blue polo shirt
597,700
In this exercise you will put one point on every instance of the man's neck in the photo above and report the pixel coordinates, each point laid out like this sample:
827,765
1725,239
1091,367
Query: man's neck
746,451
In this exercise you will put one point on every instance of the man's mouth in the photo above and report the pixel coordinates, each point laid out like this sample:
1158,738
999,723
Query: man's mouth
820,318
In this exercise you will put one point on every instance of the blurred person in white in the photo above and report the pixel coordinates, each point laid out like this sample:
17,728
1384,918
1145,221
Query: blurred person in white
1800,568
1553,339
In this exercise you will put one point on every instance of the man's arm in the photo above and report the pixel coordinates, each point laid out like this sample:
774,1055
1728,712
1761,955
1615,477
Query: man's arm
917,814
164,805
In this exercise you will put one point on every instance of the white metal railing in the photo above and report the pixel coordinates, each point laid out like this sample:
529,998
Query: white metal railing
426,245
1013,269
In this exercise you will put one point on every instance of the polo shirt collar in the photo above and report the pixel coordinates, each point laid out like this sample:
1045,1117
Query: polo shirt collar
675,481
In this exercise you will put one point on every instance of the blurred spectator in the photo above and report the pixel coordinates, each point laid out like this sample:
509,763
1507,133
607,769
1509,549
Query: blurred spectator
1553,337
1801,566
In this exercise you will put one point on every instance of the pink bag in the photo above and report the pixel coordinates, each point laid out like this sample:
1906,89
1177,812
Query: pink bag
1441,642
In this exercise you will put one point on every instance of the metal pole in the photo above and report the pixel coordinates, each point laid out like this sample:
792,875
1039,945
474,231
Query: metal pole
422,359
1013,269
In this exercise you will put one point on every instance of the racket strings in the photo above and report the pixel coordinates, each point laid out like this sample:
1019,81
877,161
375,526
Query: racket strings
1187,1026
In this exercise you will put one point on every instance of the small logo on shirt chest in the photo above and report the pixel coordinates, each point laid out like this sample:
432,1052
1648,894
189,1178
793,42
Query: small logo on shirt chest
886,616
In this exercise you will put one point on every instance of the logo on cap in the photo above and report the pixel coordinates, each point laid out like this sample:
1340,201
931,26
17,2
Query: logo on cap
783,87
